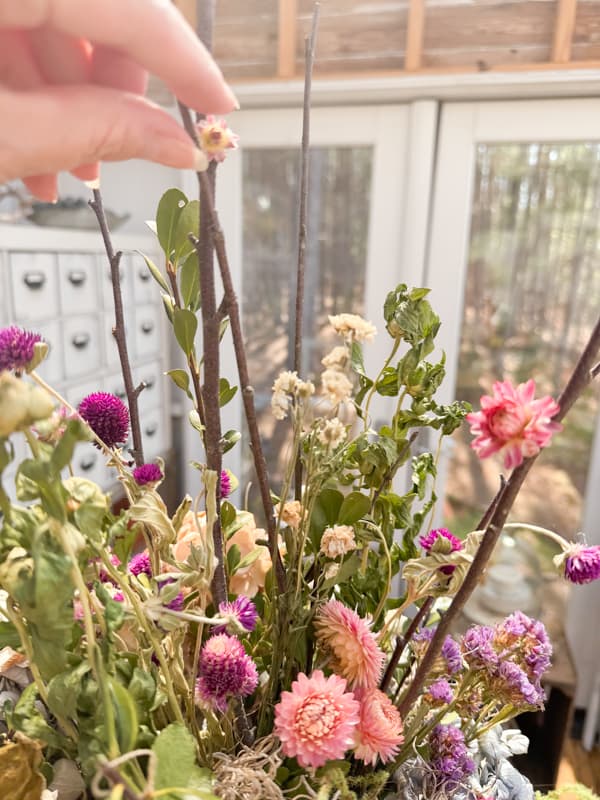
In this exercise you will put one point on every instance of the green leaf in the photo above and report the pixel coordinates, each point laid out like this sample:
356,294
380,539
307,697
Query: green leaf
349,568
233,558
168,305
168,213
226,391
188,222
9,636
185,325
126,718
195,421
356,359
329,502
26,718
228,514
354,507
64,688
142,689
189,282
114,613
155,272
181,379
176,765
229,440
75,431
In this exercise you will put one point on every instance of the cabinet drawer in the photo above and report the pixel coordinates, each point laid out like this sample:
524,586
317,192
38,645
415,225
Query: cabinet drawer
145,288
52,368
75,394
147,331
114,385
153,434
77,281
105,280
82,345
90,463
153,377
34,286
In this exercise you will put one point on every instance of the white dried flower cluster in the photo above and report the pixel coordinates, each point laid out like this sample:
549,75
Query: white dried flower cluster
336,386
353,328
332,433
338,358
287,387
337,541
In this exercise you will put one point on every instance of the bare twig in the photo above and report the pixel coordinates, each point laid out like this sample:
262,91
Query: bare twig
580,378
401,643
309,58
114,259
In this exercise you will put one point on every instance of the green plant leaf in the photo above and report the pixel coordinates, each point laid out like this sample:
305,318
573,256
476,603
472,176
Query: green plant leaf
176,765
155,272
181,379
9,636
188,222
355,506
185,325
169,210
229,440
189,281
126,718
226,391
64,688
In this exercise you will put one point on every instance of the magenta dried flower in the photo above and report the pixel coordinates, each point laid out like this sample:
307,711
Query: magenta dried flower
107,416
440,540
224,484
17,348
581,563
449,756
225,670
147,473
140,563
243,610
176,604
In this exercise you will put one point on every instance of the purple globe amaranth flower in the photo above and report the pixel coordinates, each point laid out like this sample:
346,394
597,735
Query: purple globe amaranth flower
176,604
244,612
147,473
107,416
439,693
17,348
140,563
225,484
449,756
225,670
581,563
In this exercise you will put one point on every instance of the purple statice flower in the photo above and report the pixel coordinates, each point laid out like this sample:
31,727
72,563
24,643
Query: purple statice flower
439,693
225,484
527,639
478,647
513,682
452,655
225,670
147,473
107,416
176,604
243,610
140,563
17,348
582,563
449,756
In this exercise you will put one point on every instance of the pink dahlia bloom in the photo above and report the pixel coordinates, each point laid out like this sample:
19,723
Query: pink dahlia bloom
379,732
316,721
353,647
582,563
513,423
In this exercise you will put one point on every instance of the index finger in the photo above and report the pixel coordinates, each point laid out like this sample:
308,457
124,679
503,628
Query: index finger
152,32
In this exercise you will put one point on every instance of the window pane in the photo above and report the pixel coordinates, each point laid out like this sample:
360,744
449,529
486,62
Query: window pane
338,223
531,301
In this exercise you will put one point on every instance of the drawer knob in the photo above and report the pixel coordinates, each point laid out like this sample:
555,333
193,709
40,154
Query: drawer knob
87,463
144,276
34,280
77,277
147,327
151,429
81,340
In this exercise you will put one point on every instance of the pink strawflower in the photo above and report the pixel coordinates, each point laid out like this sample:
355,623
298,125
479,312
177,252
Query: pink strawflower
379,732
147,473
107,416
351,644
582,563
225,670
17,348
513,423
216,138
316,721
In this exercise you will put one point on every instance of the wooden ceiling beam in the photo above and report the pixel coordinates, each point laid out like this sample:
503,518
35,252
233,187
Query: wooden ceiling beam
564,26
414,35
287,25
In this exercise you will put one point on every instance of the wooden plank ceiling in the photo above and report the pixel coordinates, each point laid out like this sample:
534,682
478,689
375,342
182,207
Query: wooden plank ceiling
264,39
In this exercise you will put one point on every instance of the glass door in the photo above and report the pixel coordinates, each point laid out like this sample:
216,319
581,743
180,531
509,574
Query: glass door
515,270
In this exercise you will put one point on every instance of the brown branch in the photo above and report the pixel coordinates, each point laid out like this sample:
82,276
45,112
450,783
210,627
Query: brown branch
309,59
114,777
114,259
578,382
401,643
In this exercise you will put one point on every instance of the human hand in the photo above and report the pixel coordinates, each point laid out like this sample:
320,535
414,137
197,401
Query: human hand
72,76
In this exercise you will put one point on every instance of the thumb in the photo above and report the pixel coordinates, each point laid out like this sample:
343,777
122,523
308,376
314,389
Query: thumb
61,128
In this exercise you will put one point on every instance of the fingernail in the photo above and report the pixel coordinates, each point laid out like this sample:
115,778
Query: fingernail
95,184
234,100
200,161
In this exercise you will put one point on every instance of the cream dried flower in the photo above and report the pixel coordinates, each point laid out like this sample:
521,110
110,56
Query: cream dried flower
338,358
337,541
305,389
353,327
286,382
333,433
336,386
291,513
279,405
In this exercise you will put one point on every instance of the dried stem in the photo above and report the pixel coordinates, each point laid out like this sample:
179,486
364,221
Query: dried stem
114,259
309,59
580,378
401,643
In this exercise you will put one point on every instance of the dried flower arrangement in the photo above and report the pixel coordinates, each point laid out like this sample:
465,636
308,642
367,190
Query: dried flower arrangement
221,659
